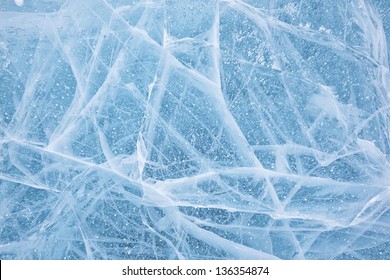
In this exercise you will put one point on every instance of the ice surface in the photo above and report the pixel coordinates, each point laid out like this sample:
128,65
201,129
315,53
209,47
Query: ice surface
19,2
195,129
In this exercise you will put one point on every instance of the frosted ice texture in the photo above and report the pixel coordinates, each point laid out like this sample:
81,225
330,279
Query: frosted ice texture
194,129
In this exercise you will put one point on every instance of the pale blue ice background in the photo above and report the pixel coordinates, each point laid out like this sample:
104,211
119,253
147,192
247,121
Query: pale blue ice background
194,129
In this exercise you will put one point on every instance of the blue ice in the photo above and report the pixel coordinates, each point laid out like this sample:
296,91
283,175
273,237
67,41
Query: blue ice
194,129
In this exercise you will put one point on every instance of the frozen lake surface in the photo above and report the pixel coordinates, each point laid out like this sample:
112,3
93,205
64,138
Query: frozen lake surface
194,129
